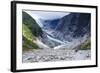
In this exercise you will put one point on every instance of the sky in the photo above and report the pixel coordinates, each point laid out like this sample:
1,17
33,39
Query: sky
45,15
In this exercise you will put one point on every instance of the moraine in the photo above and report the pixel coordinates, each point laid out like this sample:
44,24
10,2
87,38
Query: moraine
43,55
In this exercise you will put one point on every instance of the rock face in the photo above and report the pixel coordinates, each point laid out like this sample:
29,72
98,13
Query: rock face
46,40
74,25
49,24
70,28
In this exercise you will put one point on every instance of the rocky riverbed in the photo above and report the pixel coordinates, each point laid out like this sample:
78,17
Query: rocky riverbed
45,55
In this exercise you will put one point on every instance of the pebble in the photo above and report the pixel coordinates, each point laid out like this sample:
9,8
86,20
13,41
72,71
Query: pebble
55,55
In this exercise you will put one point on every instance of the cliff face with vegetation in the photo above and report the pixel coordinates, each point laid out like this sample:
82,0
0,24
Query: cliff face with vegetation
31,31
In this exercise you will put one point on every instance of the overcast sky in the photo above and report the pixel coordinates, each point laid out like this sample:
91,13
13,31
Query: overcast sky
46,15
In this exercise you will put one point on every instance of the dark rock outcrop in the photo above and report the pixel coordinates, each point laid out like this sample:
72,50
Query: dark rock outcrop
74,25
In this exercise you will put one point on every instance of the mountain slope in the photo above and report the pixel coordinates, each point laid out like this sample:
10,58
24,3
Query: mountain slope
74,29
31,24
74,25
28,38
49,24
31,31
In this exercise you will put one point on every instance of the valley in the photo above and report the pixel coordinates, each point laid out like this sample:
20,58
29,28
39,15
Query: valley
64,38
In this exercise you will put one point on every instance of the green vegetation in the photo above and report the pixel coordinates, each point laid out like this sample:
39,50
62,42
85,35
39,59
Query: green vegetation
27,44
28,39
27,33
31,24
31,31
86,45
